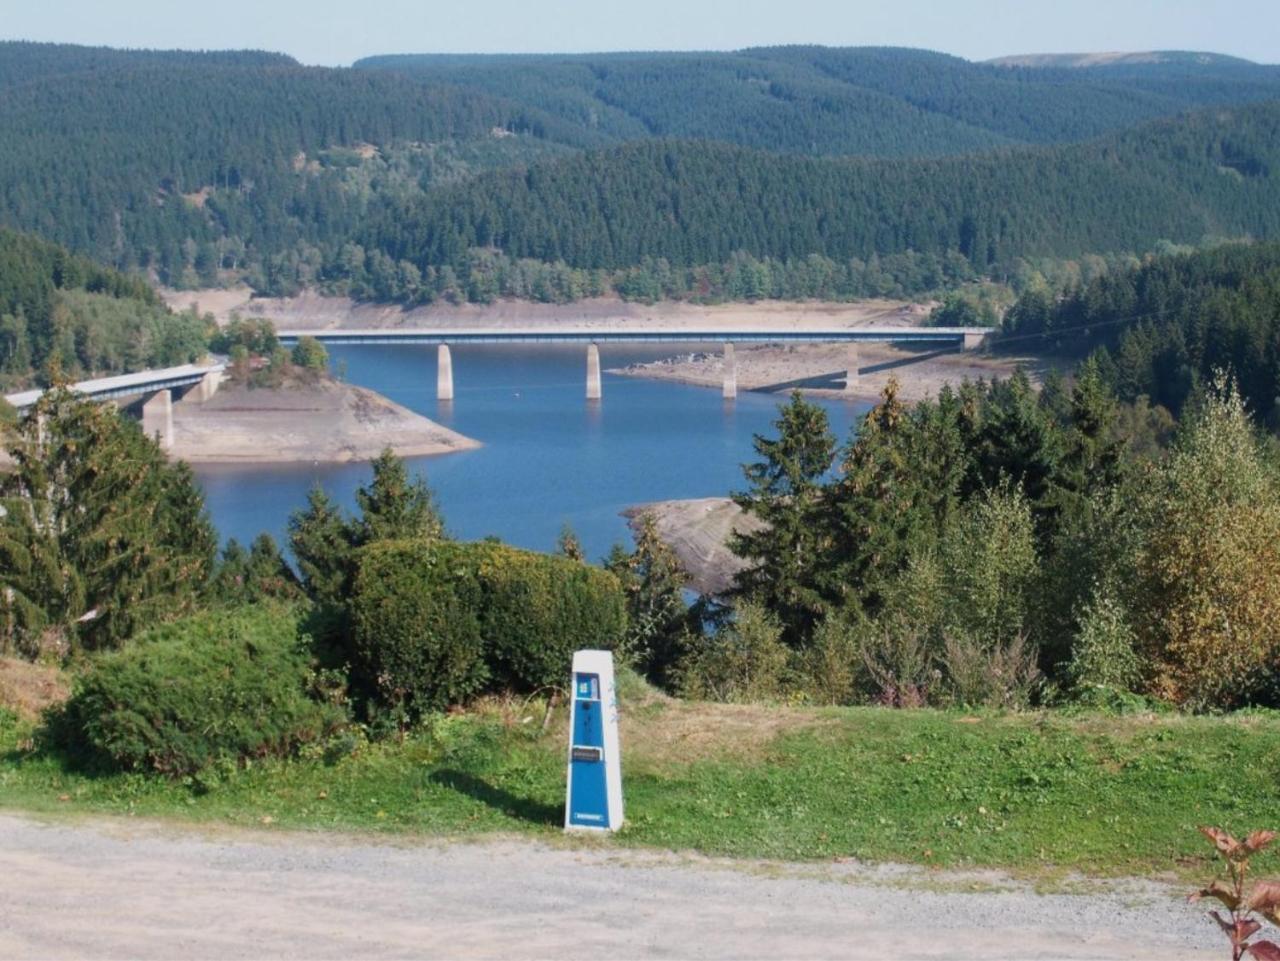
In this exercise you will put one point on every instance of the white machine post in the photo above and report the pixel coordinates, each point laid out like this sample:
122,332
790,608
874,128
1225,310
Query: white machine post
593,800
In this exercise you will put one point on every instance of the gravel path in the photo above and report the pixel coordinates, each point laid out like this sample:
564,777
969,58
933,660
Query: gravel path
114,888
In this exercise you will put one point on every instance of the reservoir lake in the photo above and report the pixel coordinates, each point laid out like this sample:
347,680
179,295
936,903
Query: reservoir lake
549,458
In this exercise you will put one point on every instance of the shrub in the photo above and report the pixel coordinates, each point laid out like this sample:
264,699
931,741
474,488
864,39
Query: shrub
310,354
231,684
415,624
435,622
745,661
1206,591
1102,654
980,673
539,609
829,667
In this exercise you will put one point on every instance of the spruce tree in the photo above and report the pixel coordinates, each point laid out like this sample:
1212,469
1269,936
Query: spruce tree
321,539
785,553
103,534
393,506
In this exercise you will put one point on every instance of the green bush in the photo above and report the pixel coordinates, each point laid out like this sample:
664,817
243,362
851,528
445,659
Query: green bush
434,623
217,685
415,627
539,609
744,661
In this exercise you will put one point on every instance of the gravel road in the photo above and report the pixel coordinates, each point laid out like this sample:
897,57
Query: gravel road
108,888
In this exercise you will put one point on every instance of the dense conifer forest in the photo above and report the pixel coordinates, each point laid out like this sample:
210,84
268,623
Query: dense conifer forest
884,171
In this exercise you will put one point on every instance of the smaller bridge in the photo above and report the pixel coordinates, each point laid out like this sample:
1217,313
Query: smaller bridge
961,338
202,380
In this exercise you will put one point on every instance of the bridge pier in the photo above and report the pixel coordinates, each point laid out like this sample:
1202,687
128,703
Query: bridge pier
593,372
157,418
207,387
444,373
853,361
973,339
730,373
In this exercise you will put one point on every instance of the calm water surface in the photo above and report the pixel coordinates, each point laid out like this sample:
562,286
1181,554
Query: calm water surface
549,456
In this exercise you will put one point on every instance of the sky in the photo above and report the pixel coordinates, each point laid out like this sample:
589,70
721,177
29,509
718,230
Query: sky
336,32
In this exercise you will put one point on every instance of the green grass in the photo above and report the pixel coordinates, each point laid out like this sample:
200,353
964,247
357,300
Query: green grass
1035,793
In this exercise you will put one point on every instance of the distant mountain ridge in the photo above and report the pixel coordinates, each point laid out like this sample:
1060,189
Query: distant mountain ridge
1193,58
205,168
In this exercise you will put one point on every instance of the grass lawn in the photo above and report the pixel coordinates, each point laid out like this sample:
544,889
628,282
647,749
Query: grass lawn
1033,793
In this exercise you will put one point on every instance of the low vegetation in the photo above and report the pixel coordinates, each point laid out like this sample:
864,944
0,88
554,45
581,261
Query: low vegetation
1039,793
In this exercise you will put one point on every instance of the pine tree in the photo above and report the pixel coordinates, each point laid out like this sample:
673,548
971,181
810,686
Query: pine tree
321,539
393,506
106,536
878,510
786,491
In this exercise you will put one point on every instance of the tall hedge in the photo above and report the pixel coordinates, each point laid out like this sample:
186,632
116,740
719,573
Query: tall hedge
225,684
415,627
539,609
434,623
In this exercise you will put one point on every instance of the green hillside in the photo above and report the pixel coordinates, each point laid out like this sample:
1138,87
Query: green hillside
698,203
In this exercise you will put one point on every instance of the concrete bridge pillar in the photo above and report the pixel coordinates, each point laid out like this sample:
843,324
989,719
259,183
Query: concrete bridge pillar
444,373
973,339
593,372
207,387
157,418
854,360
730,373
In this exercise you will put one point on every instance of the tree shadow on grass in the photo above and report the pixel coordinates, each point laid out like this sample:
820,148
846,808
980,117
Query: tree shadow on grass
520,808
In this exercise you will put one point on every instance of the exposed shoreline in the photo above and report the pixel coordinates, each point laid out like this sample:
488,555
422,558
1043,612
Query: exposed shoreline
314,311
698,530
821,369
324,422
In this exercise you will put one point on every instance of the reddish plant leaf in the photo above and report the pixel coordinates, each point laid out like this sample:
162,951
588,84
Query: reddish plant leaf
1245,929
1257,840
1265,950
1228,927
1264,898
1223,841
1220,891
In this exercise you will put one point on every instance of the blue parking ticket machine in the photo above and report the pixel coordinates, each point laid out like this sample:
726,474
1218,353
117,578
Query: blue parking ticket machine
594,797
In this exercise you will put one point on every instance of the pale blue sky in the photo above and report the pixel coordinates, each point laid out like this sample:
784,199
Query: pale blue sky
339,31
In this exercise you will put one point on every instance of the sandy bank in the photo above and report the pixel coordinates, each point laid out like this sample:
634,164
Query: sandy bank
324,422
698,531
313,311
821,369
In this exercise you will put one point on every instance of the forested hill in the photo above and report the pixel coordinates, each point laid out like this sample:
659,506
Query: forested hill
64,312
826,100
24,61
1207,174
195,164
200,169
1165,327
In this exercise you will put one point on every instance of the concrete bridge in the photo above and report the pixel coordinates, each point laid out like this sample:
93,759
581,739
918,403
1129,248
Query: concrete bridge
961,338
198,381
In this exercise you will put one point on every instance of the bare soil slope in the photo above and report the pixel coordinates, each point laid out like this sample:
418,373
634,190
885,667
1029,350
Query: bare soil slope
322,422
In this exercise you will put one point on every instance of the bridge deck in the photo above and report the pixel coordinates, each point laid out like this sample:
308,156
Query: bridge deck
125,385
640,335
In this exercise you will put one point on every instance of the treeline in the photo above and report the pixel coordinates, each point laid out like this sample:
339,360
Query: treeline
700,203
1161,330
823,100
64,314
997,547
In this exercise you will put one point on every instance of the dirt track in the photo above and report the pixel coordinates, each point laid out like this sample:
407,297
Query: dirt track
117,888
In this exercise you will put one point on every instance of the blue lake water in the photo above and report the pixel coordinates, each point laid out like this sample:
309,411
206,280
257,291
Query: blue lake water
549,457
